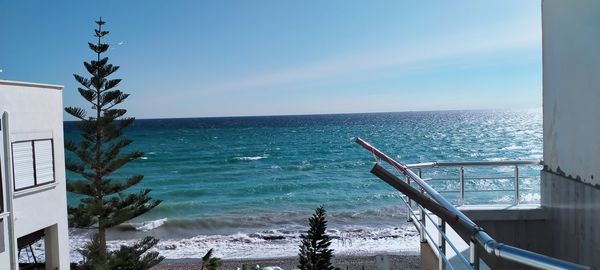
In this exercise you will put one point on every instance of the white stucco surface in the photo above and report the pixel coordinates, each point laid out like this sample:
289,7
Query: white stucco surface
35,112
571,98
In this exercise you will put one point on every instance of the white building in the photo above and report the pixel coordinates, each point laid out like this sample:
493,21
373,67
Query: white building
571,177
32,171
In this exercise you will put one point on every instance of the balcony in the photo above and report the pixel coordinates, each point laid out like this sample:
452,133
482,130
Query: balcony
459,208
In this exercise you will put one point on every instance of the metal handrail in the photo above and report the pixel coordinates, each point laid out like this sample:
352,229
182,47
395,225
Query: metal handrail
409,173
516,176
463,259
458,253
457,219
471,163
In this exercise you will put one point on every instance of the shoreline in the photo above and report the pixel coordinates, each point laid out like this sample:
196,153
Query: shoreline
349,262
274,243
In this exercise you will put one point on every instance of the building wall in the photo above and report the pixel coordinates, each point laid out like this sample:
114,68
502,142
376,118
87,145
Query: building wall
571,62
35,112
574,213
515,227
5,256
571,177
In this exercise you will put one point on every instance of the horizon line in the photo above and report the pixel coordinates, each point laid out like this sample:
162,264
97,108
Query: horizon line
337,113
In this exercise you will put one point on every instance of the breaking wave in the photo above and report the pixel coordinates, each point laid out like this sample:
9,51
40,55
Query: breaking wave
274,243
250,158
150,225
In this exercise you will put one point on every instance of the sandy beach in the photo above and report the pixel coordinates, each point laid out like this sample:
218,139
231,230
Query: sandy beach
343,262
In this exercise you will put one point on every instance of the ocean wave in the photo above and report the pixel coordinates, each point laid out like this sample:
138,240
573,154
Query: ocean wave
150,225
347,240
235,222
254,158
172,226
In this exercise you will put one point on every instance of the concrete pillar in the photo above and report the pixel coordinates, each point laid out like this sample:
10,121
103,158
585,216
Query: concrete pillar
51,248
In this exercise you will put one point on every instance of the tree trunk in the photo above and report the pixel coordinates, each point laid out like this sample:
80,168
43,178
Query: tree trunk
102,253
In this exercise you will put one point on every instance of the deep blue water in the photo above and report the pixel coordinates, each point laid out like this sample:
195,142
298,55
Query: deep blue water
222,175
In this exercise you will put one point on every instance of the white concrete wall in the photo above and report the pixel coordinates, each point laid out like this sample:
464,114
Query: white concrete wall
571,98
35,112
5,256
571,194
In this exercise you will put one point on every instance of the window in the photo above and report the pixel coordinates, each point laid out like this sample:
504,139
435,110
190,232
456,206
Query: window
44,161
33,163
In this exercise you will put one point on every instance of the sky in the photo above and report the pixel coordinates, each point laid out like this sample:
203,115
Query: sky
237,58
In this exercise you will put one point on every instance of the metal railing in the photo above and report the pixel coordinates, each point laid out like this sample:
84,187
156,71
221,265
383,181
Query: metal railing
442,239
461,178
428,198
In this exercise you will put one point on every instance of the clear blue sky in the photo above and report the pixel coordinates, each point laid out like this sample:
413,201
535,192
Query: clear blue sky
223,58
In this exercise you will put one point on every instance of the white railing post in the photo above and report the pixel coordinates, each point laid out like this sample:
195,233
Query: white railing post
462,185
409,205
441,243
517,195
423,219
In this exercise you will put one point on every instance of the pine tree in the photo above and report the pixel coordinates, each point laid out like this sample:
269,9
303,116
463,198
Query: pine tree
210,262
315,253
103,203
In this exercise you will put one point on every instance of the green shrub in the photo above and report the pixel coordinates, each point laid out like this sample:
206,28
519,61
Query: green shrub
315,253
133,257
210,262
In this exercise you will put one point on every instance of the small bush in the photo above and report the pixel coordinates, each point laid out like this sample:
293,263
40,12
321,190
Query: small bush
210,262
134,257
315,253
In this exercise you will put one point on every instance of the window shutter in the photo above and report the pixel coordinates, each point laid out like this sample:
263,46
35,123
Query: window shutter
23,164
44,161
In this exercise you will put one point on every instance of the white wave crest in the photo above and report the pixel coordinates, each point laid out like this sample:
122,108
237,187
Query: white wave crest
352,240
150,225
250,158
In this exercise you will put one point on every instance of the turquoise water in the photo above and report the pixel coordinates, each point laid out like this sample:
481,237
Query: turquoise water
222,176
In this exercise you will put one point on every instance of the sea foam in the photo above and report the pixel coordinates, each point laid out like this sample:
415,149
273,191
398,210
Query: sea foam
250,158
349,240
150,225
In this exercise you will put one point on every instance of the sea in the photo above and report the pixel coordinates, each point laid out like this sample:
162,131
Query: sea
246,186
